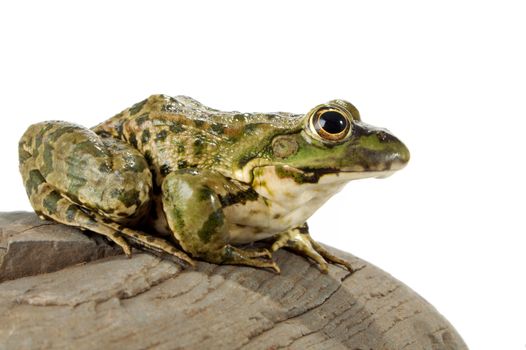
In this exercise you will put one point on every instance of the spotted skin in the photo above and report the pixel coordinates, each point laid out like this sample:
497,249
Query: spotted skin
171,175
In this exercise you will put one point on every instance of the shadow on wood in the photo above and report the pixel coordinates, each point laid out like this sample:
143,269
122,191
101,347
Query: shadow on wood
85,295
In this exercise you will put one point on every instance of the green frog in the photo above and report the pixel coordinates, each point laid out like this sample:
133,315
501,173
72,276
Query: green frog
173,176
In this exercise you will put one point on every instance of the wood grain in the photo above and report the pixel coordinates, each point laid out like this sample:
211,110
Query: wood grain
112,302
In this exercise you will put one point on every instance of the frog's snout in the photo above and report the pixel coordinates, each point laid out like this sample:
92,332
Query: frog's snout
376,149
398,154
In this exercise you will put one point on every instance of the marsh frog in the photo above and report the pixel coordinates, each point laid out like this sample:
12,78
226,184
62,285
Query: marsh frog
174,176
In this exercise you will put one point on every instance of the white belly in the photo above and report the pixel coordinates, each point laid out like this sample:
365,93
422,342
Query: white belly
283,204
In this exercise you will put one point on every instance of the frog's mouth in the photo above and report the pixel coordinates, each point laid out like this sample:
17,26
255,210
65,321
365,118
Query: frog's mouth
344,175
326,175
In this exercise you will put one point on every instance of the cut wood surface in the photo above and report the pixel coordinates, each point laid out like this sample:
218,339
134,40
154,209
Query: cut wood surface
63,289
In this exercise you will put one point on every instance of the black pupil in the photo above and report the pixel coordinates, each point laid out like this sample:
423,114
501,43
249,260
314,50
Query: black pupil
333,122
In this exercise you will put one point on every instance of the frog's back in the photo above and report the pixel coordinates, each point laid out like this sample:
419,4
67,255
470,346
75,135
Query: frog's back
180,132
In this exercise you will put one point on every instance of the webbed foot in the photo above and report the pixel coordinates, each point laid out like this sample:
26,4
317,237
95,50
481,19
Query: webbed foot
300,241
257,257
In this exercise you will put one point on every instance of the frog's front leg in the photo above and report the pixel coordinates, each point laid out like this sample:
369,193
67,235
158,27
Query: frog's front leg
192,201
299,240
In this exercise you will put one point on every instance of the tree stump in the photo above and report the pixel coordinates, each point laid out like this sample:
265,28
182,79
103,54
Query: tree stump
63,289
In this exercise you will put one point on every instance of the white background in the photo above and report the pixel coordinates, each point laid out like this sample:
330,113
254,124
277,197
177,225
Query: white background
447,77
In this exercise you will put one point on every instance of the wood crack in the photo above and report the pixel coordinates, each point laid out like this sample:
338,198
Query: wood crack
300,314
133,303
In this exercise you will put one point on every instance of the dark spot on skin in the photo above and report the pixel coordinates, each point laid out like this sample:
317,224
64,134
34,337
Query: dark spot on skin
165,169
241,225
210,226
239,118
243,160
50,202
55,135
176,128
34,180
308,175
198,146
148,157
129,198
120,227
88,147
92,221
228,252
135,235
178,216
173,250
137,107
170,105
180,148
161,135
251,128
47,168
23,155
239,197
76,174
182,164
120,129
71,211
217,128
105,168
277,216
133,140
205,193
107,210
106,220
142,118
145,136
150,239
104,134
40,136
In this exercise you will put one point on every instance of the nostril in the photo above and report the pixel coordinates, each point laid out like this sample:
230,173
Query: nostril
382,136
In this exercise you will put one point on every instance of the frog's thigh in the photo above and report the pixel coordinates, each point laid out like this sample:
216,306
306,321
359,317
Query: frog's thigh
104,175
193,207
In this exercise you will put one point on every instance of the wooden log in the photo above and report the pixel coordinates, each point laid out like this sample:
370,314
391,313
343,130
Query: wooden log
79,292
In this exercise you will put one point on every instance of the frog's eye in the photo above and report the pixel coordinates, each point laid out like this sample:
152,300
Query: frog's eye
331,124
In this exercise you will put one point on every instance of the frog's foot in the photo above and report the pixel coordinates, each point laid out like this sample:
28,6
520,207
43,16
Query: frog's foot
61,209
151,242
258,257
299,240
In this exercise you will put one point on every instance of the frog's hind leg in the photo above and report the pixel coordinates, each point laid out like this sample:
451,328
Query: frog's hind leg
60,209
193,201
78,178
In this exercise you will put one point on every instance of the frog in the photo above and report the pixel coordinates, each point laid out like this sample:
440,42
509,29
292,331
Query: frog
172,176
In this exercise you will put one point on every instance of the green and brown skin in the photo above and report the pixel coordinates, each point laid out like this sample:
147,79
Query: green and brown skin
174,176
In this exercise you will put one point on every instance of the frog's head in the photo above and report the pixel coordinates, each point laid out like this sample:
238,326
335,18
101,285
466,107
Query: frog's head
334,144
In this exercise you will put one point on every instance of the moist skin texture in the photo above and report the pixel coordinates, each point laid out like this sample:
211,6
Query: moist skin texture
171,175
